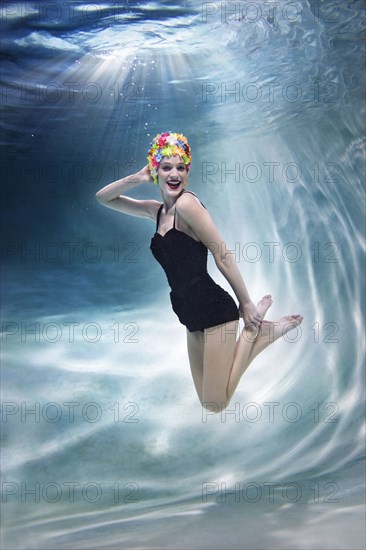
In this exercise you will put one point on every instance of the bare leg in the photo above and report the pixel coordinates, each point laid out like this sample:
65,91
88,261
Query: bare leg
218,361
247,350
244,347
196,341
269,332
220,354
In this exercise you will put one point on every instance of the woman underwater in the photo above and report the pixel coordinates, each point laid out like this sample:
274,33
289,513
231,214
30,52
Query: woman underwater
184,234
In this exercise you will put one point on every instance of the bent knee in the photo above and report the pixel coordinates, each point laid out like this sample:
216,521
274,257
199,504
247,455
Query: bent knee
215,406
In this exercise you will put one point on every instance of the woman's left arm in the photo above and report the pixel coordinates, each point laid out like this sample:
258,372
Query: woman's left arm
200,221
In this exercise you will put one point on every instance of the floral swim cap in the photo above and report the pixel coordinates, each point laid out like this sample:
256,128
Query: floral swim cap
168,144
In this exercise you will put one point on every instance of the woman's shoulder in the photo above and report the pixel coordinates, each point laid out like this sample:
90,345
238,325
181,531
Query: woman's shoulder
188,198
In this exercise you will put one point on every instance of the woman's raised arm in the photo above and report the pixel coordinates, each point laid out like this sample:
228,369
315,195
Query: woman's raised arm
198,218
113,196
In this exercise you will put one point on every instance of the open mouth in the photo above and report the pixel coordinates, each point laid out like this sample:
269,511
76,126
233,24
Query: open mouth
173,184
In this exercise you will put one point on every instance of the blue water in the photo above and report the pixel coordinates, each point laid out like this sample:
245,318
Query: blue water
104,443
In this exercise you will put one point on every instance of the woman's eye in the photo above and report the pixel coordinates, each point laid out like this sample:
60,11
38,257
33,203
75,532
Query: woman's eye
180,168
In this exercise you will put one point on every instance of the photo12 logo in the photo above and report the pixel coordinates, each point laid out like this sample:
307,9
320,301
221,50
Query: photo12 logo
69,411
270,172
253,492
69,332
272,412
270,92
69,491
269,12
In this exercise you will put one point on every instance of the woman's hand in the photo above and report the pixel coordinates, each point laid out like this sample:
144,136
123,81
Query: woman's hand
113,195
251,316
144,175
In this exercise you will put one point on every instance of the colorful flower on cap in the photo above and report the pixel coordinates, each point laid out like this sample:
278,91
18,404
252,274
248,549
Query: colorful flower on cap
168,144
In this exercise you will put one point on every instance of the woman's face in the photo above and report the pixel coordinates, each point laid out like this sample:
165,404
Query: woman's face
172,175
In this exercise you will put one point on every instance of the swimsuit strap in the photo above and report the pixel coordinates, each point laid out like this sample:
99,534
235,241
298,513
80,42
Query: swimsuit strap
191,192
175,209
158,217
161,206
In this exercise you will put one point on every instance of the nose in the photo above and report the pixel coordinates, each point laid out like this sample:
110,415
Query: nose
174,172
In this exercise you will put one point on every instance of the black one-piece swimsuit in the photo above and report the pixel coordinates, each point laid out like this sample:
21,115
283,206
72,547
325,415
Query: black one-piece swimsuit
196,299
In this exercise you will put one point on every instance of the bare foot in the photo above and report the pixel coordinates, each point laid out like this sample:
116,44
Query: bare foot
287,323
252,334
264,304
269,332
279,328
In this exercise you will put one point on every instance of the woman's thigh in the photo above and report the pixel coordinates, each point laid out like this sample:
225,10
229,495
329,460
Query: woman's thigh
218,356
195,344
